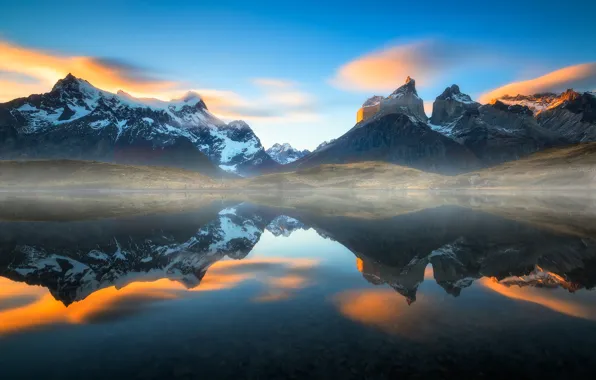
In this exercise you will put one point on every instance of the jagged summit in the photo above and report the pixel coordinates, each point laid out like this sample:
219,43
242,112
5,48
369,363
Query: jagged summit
403,100
451,105
408,88
454,93
68,82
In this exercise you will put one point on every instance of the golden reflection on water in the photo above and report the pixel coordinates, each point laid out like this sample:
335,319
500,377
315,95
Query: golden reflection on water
34,306
553,299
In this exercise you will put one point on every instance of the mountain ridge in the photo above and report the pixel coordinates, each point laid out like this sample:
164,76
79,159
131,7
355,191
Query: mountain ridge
76,120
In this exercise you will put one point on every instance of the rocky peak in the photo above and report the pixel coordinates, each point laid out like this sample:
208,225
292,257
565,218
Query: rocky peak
408,88
451,105
405,100
570,95
584,104
453,93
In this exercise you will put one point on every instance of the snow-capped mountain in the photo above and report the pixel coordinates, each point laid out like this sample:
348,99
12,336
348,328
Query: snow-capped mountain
285,153
78,121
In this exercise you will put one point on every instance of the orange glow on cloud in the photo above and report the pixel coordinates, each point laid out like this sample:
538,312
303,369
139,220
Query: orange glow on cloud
44,310
48,68
550,300
280,100
579,77
379,308
386,69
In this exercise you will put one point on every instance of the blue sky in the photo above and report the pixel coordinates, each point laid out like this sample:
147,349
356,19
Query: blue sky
227,47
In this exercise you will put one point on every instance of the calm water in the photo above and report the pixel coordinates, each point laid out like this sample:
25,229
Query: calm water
300,287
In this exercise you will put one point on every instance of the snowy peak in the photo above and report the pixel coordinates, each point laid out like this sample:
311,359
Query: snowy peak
285,153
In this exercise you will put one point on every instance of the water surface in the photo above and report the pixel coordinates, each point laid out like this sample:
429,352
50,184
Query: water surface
300,286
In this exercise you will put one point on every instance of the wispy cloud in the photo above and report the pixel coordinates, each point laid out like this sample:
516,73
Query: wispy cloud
385,69
273,101
24,71
45,68
578,77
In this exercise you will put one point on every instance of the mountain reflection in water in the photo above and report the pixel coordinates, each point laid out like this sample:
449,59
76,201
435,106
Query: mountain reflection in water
433,277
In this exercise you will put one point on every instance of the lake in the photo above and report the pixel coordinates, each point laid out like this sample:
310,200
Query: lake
344,285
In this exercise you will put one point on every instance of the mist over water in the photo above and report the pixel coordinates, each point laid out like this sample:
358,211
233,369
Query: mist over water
289,285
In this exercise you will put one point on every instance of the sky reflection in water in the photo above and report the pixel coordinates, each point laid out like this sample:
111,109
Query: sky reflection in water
293,277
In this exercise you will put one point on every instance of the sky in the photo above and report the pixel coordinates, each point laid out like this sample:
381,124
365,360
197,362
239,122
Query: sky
297,71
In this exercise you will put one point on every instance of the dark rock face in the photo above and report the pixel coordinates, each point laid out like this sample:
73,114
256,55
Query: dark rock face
450,105
397,138
574,117
498,133
405,99
78,121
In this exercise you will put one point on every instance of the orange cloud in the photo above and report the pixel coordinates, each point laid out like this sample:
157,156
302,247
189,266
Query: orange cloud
386,69
579,77
47,68
35,306
371,307
551,300
276,100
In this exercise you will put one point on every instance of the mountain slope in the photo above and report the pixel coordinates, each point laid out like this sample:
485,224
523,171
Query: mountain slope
78,121
572,116
395,138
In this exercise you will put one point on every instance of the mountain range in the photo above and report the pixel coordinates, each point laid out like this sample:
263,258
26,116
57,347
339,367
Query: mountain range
461,135
75,120
78,121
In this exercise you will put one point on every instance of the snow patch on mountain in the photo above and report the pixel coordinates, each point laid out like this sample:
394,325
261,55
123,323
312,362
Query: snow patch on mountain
285,153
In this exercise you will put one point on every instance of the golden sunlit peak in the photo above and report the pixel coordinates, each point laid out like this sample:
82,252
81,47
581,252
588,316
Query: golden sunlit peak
359,264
